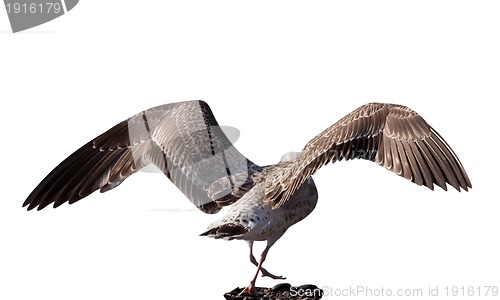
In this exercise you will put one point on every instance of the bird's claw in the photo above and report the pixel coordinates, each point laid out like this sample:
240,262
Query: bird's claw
265,273
249,290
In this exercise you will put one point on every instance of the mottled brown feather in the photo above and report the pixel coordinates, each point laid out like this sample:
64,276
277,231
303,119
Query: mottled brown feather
182,139
391,135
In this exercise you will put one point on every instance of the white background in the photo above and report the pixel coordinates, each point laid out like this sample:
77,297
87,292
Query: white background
280,72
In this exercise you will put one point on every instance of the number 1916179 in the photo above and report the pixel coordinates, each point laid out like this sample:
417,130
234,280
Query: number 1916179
34,8
486,290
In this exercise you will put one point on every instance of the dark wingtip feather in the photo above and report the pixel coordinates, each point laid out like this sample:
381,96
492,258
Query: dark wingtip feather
82,171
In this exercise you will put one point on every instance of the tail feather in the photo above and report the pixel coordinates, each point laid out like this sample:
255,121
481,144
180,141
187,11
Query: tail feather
228,231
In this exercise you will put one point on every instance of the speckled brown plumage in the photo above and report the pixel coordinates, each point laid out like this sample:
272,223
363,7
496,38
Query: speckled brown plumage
182,139
391,135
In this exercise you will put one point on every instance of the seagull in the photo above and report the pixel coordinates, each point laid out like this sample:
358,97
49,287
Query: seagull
186,143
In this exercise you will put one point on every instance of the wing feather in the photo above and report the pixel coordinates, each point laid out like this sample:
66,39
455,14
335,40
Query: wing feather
405,165
423,166
182,139
391,135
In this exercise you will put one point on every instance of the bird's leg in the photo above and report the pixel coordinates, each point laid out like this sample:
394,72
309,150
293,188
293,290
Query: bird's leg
251,287
252,258
262,270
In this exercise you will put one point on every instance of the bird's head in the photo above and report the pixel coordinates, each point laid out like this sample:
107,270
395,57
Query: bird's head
290,157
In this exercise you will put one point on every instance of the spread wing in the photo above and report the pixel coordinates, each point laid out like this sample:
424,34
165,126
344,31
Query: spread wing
393,136
182,139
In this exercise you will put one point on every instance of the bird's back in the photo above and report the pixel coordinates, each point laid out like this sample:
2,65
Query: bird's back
250,218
